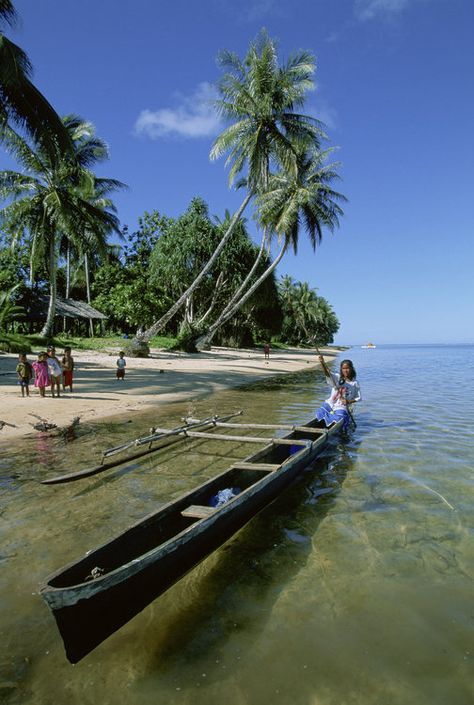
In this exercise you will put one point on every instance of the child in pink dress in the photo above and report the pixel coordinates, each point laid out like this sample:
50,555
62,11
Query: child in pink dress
42,379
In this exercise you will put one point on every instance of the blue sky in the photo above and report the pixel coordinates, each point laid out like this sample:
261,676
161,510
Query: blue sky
394,86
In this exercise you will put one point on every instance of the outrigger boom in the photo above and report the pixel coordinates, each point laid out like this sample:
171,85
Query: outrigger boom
168,435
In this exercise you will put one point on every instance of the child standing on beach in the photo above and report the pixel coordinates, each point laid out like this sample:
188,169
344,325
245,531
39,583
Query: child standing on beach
54,370
266,351
40,367
121,365
25,373
67,363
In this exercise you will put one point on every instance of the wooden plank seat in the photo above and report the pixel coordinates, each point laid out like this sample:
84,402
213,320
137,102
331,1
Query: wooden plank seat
257,466
289,442
198,511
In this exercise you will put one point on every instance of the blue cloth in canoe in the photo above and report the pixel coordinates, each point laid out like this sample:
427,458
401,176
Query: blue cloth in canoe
224,496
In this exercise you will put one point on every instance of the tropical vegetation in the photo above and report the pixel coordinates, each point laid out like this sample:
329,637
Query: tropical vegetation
193,277
267,133
52,200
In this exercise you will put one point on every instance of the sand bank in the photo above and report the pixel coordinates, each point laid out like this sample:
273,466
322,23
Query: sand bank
164,377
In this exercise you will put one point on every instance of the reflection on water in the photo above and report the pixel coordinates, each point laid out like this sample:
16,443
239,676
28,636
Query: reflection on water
354,586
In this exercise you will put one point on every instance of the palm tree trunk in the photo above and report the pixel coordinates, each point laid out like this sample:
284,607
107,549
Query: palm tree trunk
32,262
49,325
219,283
153,330
68,280
223,318
88,289
237,294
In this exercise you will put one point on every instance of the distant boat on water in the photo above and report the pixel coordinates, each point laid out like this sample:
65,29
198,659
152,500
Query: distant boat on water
368,345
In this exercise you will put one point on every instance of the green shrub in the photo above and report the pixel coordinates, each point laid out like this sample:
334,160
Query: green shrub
136,348
187,337
14,343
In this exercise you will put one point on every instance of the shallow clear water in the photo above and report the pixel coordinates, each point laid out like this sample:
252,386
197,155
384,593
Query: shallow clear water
355,586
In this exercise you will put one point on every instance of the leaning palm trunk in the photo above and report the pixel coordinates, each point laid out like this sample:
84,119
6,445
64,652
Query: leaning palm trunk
235,297
219,283
185,296
49,325
205,340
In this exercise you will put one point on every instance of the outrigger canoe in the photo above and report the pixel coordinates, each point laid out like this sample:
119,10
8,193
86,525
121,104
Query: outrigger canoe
99,593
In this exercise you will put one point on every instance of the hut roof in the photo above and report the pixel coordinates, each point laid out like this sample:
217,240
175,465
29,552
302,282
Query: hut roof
64,307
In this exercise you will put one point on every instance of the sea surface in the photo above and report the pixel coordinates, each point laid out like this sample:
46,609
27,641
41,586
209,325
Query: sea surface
355,587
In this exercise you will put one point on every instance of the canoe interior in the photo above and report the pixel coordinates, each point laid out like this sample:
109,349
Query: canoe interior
164,525
149,557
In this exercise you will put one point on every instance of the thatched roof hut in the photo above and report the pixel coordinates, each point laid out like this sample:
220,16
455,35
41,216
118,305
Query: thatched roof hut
38,309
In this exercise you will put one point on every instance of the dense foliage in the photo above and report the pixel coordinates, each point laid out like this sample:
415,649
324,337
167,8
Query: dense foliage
121,288
162,257
307,317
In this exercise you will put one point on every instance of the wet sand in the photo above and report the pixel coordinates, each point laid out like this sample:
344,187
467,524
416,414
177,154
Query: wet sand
162,378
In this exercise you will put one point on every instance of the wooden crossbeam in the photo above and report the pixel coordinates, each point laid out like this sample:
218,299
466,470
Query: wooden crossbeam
245,439
220,437
285,427
270,426
308,429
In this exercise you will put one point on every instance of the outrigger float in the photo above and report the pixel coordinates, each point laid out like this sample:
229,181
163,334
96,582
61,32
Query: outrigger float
94,596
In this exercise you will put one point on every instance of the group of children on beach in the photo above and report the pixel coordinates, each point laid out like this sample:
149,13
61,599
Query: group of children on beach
48,371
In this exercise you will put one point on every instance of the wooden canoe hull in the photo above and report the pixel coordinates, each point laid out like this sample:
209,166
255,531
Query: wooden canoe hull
87,612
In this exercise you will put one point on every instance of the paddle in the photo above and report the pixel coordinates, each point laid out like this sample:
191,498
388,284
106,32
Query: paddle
328,374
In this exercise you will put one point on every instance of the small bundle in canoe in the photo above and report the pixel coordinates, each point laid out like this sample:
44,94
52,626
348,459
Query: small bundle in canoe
96,595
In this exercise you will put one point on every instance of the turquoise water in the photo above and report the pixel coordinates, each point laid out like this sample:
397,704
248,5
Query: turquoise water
355,586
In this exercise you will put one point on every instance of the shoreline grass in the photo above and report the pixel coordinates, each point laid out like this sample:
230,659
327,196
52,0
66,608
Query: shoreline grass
17,343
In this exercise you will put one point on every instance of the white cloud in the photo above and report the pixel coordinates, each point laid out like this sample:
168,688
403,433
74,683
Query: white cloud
253,11
324,112
194,116
320,108
368,9
262,8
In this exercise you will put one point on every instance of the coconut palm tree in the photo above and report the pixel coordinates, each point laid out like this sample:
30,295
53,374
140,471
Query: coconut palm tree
305,310
295,196
308,318
9,310
21,103
259,98
53,199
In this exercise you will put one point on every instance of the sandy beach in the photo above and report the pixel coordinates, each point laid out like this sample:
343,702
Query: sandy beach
164,377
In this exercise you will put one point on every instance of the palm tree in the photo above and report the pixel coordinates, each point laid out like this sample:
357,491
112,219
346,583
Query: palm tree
53,199
260,99
9,310
21,103
92,244
286,288
308,317
305,310
299,195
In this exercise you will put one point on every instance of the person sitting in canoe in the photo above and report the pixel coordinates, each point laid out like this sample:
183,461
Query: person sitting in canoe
345,393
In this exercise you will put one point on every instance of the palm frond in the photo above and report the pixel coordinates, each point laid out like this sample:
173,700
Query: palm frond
22,102
8,13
